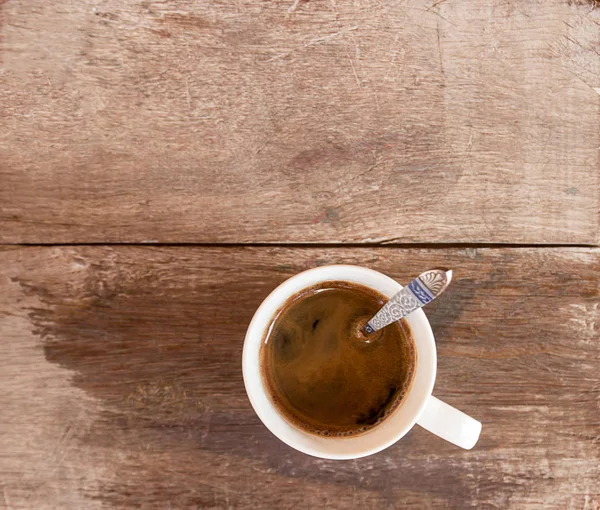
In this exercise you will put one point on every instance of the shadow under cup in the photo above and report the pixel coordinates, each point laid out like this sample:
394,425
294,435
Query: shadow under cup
396,425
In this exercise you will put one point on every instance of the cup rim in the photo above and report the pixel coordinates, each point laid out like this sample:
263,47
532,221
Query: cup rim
394,427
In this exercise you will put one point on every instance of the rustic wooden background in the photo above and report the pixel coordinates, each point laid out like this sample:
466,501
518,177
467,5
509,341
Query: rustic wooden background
163,160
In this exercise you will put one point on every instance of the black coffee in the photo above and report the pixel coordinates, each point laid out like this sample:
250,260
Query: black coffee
319,370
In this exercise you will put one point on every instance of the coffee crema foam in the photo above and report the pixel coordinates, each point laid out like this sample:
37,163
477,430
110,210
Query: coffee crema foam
320,370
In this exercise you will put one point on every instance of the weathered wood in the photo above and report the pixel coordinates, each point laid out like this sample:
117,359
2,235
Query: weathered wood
329,121
122,387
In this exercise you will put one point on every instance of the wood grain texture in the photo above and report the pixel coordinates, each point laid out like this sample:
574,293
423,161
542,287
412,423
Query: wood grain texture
321,121
122,387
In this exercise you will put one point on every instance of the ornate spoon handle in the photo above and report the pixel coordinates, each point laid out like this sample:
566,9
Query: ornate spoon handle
422,290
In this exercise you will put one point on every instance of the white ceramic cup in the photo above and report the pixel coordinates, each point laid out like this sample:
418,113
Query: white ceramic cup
418,406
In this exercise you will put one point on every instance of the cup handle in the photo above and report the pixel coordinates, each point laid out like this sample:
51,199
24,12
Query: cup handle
449,423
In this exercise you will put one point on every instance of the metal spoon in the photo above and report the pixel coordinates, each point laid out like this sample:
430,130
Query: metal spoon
422,290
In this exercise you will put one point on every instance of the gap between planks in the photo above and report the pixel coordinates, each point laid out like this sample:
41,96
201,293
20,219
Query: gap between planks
382,244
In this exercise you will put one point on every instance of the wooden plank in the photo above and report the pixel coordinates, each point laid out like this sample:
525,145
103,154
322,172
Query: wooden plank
339,121
122,387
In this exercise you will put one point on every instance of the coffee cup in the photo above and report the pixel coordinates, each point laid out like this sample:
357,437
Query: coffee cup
419,406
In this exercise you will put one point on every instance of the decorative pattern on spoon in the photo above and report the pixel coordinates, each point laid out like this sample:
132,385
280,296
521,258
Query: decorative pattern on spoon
422,290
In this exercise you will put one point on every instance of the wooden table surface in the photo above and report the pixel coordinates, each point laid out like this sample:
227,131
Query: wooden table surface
164,164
